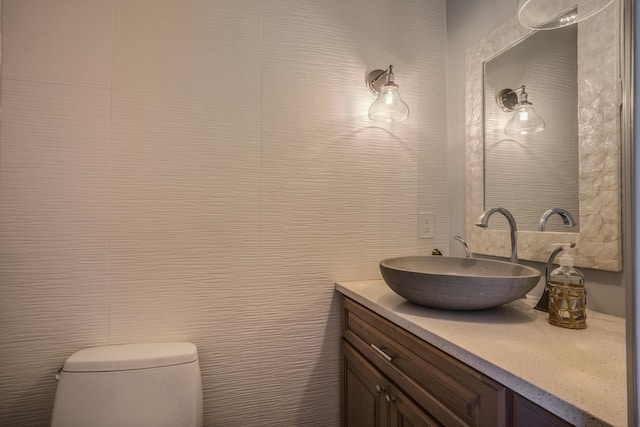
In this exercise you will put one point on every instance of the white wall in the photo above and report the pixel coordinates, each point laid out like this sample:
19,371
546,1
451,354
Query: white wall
205,171
467,23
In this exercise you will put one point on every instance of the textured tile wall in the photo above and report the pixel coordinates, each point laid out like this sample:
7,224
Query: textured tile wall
205,171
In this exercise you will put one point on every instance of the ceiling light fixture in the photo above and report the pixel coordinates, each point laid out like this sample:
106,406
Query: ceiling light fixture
389,106
551,14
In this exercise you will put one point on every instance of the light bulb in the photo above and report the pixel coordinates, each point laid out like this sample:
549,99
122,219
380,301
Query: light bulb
388,97
523,115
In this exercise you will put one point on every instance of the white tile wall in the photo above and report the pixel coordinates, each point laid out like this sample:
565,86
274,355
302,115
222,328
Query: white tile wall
55,41
205,171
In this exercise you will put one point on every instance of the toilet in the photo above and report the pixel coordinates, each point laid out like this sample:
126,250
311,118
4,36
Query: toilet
131,385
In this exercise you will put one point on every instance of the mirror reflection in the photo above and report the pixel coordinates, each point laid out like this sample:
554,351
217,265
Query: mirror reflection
532,173
597,154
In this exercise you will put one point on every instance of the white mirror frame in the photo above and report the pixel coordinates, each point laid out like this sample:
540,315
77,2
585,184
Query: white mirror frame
599,243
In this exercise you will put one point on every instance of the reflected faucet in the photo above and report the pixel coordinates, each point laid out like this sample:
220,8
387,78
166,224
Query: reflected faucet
483,222
567,219
464,244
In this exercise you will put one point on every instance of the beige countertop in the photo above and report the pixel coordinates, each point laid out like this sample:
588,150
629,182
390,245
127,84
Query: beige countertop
579,375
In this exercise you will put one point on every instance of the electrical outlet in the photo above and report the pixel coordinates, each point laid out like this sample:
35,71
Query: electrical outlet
426,224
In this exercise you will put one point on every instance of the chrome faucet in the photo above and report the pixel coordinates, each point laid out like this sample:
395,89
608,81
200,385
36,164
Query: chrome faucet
464,244
567,219
483,222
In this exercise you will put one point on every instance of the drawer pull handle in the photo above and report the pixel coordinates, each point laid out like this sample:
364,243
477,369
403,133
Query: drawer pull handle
382,353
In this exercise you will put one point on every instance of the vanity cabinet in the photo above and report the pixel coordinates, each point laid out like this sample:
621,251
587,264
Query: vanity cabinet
371,400
393,378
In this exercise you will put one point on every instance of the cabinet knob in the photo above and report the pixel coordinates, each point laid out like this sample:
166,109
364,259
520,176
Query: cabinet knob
389,399
380,389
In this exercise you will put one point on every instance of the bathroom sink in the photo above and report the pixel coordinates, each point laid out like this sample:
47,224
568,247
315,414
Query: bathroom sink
458,283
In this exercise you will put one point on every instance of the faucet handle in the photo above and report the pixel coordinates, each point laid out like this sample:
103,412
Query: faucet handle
467,251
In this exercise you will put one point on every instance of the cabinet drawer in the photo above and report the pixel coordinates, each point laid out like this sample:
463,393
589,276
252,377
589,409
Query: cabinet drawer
450,391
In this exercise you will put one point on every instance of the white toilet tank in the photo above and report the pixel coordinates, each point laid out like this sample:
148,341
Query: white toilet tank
132,385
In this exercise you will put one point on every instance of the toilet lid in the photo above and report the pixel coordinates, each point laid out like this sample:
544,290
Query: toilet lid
131,356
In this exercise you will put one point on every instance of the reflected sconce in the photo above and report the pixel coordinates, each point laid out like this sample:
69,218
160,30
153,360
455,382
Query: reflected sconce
551,14
389,107
525,120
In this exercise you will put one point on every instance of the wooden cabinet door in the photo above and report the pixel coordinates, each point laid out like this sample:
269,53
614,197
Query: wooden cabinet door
528,414
405,413
369,400
363,392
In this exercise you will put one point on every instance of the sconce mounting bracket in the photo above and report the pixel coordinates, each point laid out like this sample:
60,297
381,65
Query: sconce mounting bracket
506,100
375,81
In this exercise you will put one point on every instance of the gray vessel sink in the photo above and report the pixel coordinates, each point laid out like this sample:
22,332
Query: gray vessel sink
458,283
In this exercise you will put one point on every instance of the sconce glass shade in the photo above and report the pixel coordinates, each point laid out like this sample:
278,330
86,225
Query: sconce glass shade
551,14
524,121
389,107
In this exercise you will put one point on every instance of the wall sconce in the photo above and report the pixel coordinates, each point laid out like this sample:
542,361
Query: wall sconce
388,106
551,14
524,120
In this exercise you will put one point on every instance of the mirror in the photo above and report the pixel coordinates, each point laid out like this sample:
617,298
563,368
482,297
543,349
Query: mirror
597,73
541,166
